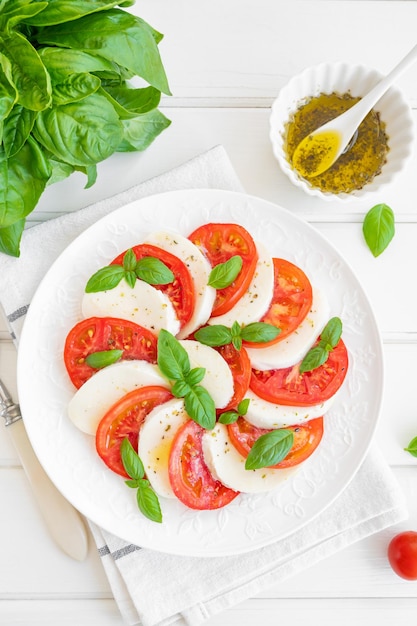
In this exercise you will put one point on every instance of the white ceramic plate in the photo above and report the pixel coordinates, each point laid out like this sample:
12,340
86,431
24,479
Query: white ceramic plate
69,456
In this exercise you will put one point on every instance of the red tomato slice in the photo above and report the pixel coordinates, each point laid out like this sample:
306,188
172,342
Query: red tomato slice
181,290
307,437
124,419
240,366
219,242
287,386
105,333
291,300
190,477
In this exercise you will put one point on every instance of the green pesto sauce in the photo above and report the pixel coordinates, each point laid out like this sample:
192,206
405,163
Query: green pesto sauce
360,164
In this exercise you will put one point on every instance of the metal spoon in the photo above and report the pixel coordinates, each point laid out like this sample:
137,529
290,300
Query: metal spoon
321,148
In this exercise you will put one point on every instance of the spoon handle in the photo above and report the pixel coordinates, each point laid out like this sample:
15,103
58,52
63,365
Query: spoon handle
377,92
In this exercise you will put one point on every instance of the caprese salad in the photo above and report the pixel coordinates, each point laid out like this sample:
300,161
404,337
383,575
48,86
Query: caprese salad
203,366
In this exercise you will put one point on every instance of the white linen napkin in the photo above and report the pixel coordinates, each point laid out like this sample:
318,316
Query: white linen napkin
152,588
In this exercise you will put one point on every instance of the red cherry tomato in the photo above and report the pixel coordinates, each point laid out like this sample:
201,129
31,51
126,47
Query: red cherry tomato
402,554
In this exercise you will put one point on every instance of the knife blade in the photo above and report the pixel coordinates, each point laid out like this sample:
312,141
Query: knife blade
63,521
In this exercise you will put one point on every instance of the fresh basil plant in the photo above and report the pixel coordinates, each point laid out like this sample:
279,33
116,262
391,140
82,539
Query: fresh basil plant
67,99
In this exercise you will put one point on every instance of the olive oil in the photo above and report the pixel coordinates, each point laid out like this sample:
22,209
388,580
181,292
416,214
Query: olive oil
316,153
352,170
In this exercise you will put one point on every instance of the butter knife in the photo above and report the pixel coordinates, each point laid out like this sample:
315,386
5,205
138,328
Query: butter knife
64,523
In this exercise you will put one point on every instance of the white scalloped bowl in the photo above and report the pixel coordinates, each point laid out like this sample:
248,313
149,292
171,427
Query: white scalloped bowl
356,80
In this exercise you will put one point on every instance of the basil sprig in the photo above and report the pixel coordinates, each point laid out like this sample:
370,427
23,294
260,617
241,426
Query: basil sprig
149,269
219,335
378,228
103,358
146,497
412,447
223,274
329,339
230,417
174,363
269,449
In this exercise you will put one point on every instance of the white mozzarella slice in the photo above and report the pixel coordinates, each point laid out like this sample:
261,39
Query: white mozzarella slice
199,269
256,300
265,414
155,440
293,348
227,465
92,401
218,378
142,304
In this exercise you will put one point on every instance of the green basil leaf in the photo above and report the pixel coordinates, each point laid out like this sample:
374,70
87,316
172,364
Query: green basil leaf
24,70
65,61
133,484
74,87
60,170
412,447
129,260
314,358
228,417
17,128
195,376
10,237
154,271
135,101
216,335
180,388
148,502
56,127
105,278
237,343
200,407
140,132
14,13
8,97
259,332
379,228
130,278
103,358
172,359
113,34
270,449
131,461
332,332
243,406
223,274
18,200
91,172
59,11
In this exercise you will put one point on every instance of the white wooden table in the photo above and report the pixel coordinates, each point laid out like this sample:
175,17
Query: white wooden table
226,61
